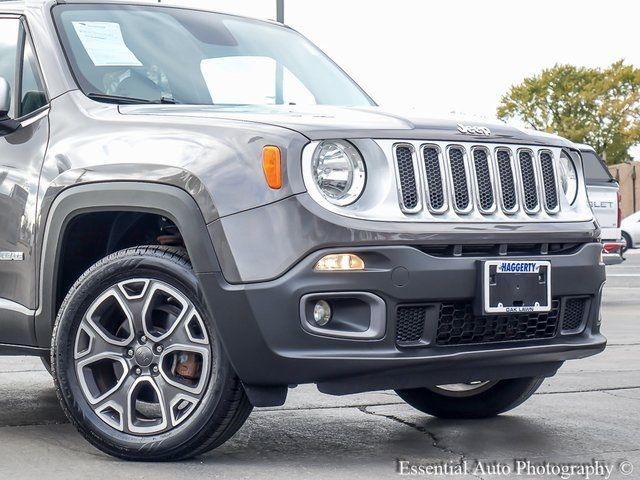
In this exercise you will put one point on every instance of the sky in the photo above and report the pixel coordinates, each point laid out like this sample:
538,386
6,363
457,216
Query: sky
461,56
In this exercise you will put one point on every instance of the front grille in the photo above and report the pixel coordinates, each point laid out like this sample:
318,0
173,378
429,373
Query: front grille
500,250
573,314
459,182
529,184
410,324
484,184
549,180
459,326
407,177
521,181
454,323
433,174
507,181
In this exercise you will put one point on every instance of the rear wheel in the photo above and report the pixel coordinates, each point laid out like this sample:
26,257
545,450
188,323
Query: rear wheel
471,400
138,368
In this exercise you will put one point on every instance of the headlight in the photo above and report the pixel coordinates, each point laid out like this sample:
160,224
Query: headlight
568,178
339,172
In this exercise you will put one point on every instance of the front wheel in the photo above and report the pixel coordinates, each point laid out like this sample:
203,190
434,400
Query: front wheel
138,368
472,400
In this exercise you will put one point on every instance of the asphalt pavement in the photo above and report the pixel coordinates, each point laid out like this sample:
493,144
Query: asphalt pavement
589,412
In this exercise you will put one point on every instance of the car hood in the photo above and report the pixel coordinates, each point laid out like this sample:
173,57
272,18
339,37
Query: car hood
322,122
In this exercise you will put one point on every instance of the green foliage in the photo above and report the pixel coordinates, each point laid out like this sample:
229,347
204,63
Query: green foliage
599,107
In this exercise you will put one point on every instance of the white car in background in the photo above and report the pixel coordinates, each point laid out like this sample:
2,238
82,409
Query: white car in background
631,231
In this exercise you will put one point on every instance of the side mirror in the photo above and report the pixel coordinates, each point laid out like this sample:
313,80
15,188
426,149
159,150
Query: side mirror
7,125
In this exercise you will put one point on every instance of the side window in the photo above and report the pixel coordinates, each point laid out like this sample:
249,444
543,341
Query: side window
32,95
9,34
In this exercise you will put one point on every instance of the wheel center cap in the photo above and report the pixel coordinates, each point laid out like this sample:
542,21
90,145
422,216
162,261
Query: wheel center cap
144,356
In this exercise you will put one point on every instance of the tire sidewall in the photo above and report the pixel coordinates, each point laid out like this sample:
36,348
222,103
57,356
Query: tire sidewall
628,243
97,280
502,397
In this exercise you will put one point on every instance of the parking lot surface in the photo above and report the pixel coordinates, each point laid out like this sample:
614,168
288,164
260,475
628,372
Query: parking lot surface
588,412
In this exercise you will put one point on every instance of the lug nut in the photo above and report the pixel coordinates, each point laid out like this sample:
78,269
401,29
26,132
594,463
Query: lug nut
138,371
143,339
155,369
130,353
159,349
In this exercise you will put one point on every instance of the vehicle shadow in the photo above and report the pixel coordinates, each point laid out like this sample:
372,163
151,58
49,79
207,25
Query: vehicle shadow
382,438
375,436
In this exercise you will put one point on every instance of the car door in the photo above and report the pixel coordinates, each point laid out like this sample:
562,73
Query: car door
21,155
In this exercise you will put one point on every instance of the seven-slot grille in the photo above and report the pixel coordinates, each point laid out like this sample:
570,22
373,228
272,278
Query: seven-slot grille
408,185
549,179
433,174
484,182
507,177
459,179
476,178
529,184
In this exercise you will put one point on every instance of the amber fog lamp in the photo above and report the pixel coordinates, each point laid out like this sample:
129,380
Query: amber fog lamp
342,262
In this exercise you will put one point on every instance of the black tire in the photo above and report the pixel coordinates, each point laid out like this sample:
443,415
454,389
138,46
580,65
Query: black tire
223,407
498,398
627,244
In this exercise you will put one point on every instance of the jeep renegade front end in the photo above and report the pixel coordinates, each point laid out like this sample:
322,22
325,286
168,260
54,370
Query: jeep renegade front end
201,211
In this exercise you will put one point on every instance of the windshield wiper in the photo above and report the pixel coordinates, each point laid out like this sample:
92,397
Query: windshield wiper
118,99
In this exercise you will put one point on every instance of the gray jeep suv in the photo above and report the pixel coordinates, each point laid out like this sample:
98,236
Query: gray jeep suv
201,211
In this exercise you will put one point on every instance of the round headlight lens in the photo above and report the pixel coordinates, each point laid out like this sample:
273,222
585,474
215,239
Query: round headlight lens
339,172
568,178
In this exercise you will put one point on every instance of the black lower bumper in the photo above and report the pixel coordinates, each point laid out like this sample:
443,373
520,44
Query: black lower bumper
262,332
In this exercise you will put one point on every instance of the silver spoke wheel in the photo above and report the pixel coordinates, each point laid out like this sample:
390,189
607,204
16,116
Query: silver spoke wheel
143,357
462,389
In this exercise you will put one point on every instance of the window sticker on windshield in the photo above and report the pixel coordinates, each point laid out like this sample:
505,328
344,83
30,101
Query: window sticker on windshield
105,45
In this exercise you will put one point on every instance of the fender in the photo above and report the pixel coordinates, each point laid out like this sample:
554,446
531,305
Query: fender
168,201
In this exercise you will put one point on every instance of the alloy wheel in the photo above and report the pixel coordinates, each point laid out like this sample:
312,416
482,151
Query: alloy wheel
143,357
463,389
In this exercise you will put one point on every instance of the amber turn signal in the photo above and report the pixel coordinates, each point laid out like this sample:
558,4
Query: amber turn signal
272,166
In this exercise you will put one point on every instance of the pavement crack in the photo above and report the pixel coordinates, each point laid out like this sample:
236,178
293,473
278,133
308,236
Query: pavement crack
589,390
435,441
326,407
620,396
43,423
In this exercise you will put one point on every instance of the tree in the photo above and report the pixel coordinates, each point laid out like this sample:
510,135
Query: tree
599,107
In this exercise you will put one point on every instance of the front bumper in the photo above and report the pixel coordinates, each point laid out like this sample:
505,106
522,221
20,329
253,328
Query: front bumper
261,330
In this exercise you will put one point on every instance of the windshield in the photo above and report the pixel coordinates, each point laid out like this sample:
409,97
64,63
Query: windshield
173,55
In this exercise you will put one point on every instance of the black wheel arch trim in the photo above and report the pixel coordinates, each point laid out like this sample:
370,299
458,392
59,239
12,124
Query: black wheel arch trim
161,199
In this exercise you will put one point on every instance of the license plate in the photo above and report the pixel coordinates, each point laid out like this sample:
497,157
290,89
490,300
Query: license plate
516,286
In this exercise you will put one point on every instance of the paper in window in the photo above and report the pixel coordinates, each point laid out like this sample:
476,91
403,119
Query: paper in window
105,44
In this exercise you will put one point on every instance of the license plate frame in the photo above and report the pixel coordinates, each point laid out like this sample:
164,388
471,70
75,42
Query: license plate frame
516,287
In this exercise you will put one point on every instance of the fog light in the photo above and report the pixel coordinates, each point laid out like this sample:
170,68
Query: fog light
322,313
343,262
